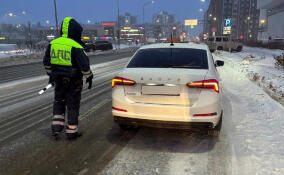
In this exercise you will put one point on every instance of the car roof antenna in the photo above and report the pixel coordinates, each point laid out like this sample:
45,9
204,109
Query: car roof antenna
172,41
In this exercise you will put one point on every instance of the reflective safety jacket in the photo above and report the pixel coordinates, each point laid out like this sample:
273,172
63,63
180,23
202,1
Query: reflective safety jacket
65,56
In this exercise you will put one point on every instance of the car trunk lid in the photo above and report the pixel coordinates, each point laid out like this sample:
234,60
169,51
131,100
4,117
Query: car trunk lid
166,86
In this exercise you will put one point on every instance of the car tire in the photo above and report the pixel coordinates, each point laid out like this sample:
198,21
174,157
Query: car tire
239,48
219,48
215,132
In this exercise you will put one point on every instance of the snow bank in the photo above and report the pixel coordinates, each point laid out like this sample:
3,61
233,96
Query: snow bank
27,57
259,66
94,68
8,50
8,47
124,46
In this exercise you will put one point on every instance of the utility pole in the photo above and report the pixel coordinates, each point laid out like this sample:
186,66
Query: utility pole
56,20
118,24
144,30
30,35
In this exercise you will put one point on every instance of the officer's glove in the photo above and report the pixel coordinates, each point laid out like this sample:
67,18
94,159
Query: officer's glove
90,81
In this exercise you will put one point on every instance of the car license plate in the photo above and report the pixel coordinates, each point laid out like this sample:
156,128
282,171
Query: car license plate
161,90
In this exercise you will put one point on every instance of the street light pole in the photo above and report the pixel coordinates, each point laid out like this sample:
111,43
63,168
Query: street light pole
118,25
55,11
144,5
30,36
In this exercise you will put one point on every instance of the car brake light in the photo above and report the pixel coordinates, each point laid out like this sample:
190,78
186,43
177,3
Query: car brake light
205,115
212,83
118,109
122,81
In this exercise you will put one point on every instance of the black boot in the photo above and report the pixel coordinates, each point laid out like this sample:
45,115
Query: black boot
73,136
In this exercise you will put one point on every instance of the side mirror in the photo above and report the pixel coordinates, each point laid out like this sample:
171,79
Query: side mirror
219,63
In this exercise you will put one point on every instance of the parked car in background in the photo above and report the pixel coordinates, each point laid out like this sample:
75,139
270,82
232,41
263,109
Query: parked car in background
103,45
224,43
89,47
98,45
277,43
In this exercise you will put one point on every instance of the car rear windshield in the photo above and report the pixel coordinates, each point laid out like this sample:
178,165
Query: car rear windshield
170,58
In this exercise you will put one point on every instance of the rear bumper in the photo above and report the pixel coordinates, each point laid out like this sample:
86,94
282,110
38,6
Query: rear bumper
163,124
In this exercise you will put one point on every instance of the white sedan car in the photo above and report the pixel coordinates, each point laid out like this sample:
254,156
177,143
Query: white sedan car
170,86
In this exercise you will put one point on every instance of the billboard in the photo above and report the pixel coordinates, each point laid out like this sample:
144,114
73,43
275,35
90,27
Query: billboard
108,23
191,22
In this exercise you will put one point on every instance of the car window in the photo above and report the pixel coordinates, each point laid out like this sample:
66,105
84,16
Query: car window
211,39
218,39
225,39
167,57
100,42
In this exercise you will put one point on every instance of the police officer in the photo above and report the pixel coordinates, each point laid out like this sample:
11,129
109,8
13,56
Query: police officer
66,63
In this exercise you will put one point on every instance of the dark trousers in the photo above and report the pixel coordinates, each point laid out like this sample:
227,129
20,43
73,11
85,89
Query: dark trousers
67,96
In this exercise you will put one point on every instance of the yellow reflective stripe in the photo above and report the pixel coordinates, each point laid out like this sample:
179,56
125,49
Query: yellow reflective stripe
66,41
88,72
47,67
71,131
87,76
65,26
58,123
48,71
58,117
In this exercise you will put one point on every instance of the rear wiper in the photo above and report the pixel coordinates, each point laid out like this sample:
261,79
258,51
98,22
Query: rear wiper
181,66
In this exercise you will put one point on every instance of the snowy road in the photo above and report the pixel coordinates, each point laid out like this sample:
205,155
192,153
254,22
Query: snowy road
27,70
251,140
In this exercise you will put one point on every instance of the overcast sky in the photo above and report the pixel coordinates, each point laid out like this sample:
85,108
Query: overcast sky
96,10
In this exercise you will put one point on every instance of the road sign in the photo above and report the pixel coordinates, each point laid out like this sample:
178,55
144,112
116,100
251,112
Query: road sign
227,28
227,22
226,32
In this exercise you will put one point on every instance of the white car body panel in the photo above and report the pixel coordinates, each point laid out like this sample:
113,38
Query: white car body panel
161,94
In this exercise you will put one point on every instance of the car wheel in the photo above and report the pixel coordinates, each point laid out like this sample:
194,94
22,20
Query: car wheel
239,48
215,132
219,48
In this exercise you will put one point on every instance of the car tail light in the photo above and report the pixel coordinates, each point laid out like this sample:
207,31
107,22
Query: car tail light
205,115
122,81
210,84
118,109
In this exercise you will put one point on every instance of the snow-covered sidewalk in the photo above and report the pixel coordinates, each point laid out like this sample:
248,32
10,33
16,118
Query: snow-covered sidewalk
255,124
258,64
